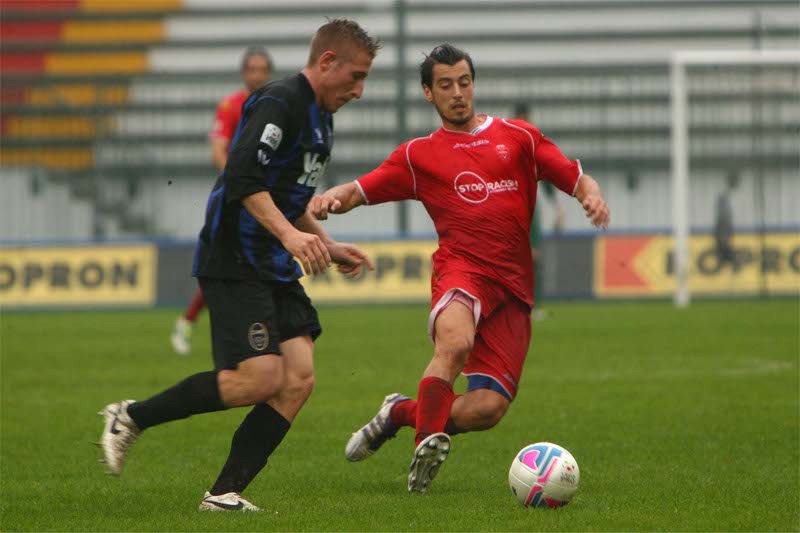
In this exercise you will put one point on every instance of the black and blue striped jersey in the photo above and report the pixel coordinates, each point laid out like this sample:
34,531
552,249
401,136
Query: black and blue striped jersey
282,145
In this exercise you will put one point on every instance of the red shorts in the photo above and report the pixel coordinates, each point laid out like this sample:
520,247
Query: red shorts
502,330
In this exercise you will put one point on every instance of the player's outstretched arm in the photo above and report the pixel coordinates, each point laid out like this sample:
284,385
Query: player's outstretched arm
307,247
348,257
590,196
338,200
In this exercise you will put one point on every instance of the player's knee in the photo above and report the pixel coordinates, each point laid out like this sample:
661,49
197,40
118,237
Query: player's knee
266,389
454,347
298,387
238,388
491,410
494,417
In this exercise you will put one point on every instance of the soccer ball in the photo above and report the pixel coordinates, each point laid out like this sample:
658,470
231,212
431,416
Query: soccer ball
544,475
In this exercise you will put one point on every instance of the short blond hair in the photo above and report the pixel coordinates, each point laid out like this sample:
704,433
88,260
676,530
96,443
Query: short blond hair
339,35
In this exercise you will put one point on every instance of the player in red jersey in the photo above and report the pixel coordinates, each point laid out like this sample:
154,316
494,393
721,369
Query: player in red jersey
256,70
477,177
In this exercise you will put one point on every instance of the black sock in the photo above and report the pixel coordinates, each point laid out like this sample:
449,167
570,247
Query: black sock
194,395
257,437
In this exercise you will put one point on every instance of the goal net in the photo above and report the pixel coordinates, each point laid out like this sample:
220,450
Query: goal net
735,158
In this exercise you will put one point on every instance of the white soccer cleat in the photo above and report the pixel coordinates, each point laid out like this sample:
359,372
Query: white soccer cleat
181,337
428,458
231,501
369,438
119,434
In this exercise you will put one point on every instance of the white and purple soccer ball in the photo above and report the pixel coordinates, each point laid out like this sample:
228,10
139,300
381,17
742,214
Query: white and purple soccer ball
544,475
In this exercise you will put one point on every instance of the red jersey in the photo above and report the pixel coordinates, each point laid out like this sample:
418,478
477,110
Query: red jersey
229,111
480,190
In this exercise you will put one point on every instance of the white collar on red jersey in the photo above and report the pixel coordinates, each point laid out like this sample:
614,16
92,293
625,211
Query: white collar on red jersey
477,130
485,125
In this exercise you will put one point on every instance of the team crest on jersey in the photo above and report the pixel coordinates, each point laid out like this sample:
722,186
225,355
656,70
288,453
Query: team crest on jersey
258,336
502,151
272,136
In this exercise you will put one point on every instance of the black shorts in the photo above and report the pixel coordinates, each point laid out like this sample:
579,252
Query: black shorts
251,317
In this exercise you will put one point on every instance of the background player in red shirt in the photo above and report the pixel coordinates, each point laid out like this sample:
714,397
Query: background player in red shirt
256,70
476,177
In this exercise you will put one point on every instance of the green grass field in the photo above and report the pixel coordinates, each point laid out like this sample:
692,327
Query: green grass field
680,420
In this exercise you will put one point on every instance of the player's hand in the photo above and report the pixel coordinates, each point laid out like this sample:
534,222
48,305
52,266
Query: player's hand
597,210
349,258
309,250
320,206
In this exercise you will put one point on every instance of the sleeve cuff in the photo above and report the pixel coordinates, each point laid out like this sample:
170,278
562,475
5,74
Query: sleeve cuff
244,192
580,175
361,190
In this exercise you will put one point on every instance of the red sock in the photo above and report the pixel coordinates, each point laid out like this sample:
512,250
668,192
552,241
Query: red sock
450,428
404,414
434,400
197,305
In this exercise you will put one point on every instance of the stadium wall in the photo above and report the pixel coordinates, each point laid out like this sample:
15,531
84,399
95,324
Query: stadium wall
151,274
105,105
36,208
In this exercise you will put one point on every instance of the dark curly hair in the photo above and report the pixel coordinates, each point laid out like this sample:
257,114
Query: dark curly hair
444,54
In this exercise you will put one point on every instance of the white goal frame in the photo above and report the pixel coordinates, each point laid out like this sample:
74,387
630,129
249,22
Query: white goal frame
679,151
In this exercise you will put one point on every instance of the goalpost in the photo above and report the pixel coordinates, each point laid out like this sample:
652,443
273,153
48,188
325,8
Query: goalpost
680,155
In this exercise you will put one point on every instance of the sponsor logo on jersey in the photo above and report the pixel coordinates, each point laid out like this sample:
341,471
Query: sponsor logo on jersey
313,169
258,336
475,190
272,136
471,145
263,158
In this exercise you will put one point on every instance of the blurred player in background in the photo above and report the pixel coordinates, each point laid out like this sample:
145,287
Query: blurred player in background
256,70
723,222
476,177
263,325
